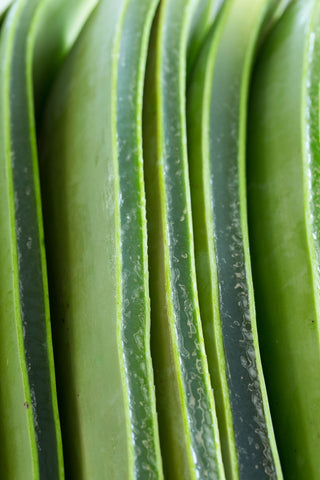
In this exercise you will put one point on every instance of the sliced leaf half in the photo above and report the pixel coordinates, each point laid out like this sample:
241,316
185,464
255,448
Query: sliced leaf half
94,210
217,113
187,421
30,430
283,192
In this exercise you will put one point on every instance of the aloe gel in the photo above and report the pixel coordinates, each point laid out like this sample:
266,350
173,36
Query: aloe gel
189,434
217,113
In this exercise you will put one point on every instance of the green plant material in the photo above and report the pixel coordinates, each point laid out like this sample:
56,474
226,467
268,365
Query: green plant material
201,19
94,210
30,432
283,192
277,8
280,5
189,436
217,114
4,6
54,30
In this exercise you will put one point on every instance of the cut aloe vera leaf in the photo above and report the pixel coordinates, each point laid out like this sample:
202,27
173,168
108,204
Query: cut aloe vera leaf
277,8
54,31
4,6
200,22
94,212
217,101
283,192
189,436
30,431
280,8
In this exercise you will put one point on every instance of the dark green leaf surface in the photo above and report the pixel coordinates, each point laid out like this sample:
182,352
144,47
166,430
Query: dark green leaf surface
283,189
188,428
4,6
30,431
217,105
97,251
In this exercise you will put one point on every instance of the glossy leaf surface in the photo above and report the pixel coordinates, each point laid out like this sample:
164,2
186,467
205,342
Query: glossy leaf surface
217,103
97,252
283,190
188,427
30,431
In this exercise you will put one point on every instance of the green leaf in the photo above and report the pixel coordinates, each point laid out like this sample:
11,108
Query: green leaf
217,113
30,430
94,210
283,190
4,6
189,436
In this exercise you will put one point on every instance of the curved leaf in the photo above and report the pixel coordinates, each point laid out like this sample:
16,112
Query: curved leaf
217,97
188,428
30,423
94,210
283,189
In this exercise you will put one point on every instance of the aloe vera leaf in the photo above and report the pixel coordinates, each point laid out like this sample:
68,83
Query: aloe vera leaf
280,8
198,119
55,28
283,186
135,277
202,19
4,6
189,436
94,211
217,101
277,8
30,422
